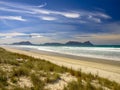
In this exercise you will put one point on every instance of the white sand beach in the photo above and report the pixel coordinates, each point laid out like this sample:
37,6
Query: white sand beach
109,71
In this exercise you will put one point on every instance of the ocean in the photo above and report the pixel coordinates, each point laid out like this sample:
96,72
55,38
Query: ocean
101,52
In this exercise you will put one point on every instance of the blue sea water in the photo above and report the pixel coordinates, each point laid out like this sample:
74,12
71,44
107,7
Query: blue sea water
102,52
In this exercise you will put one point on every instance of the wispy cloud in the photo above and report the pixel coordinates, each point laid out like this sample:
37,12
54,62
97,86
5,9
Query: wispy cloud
16,10
102,15
107,36
100,38
18,18
16,34
91,18
48,18
70,15
42,5
113,27
36,11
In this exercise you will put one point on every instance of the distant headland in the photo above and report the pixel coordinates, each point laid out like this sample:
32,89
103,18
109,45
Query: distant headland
69,43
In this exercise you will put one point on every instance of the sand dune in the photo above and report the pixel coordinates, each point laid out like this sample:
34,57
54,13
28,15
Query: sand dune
112,72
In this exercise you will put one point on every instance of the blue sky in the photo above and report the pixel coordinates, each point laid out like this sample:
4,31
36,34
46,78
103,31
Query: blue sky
41,21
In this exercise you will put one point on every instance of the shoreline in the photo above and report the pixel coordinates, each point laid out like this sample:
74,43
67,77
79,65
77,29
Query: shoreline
106,70
89,59
82,58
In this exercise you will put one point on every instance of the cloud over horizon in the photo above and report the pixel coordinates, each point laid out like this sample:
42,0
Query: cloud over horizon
45,23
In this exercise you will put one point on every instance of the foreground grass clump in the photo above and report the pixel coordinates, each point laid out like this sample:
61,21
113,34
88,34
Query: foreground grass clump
38,84
21,72
3,78
52,79
80,86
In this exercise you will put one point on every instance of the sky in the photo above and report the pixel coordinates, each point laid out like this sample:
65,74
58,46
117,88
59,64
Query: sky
41,21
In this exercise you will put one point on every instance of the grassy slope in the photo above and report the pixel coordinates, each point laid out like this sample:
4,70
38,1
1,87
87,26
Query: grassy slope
39,73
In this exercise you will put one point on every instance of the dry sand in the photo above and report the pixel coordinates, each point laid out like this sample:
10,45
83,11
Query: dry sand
109,71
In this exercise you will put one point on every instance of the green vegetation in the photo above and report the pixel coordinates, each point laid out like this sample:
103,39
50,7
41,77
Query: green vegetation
52,79
38,84
40,73
20,71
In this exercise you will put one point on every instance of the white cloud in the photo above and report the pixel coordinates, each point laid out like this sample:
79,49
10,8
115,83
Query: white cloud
35,35
18,18
38,11
48,12
16,10
42,5
17,37
11,34
101,36
105,16
97,20
98,38
71,15
16,34
48,18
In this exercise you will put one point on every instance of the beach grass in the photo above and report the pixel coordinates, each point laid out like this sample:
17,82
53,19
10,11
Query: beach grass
21,72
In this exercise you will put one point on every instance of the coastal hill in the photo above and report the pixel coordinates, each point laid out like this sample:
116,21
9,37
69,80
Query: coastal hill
23,43
69,43
74,43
